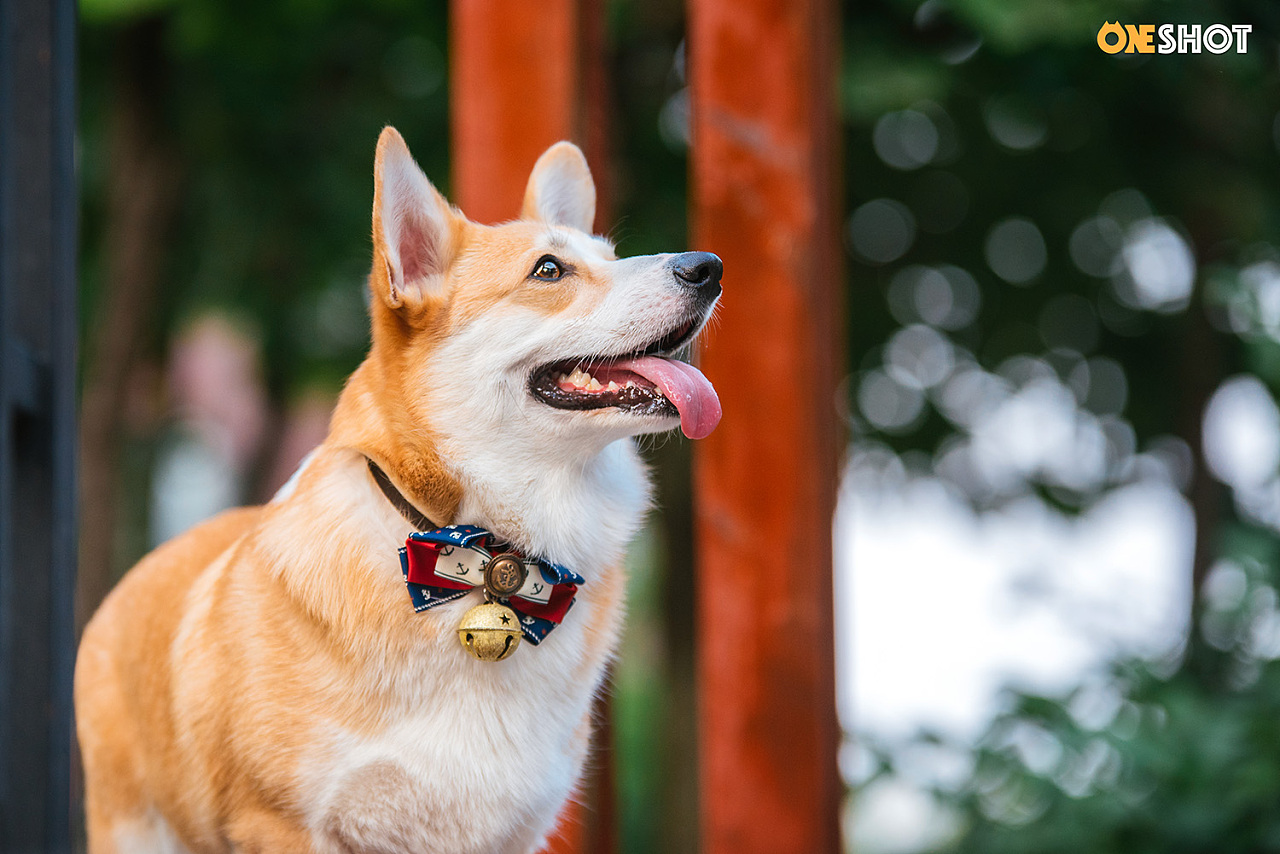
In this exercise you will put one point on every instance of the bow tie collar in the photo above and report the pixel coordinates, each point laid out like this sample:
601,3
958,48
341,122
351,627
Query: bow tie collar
523,597
445,564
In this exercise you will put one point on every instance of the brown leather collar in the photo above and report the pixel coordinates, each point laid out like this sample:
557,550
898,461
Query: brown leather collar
411,514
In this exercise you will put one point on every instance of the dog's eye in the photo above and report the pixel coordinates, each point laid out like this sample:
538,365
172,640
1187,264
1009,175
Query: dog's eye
548,268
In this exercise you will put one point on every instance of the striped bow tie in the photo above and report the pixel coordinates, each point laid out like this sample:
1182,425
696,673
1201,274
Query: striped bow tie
445,564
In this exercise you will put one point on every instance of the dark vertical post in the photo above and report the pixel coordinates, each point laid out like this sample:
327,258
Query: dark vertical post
37,421
763,76
525,74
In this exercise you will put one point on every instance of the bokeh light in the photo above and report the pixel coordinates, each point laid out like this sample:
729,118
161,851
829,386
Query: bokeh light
1015,250
888,404
1095,246
1159,269
946,297
1017,123
907,139
919,356
1242,433
882,230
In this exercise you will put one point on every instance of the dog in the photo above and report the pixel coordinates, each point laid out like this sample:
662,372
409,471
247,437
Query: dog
274,680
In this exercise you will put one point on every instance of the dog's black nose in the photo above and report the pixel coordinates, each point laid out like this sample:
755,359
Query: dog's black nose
699,269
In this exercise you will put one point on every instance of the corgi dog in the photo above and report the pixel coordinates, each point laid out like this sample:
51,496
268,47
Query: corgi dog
275,680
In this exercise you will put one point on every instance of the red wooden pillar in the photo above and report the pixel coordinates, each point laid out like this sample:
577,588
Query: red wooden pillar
525,74
763,75
513,92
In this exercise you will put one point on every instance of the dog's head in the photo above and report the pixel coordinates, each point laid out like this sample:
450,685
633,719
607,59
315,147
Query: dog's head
533,328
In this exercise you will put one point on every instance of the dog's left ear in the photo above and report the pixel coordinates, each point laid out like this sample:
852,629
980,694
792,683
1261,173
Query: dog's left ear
561,190
413,226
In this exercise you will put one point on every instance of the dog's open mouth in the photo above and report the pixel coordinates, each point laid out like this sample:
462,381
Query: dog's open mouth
644,382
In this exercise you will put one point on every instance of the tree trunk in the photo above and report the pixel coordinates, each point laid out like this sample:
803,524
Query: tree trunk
142,194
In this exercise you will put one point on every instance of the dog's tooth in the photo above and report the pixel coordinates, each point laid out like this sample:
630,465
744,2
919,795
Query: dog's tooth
613,386
593,384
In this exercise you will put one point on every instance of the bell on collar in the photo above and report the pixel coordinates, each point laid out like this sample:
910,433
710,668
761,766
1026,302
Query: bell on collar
490,632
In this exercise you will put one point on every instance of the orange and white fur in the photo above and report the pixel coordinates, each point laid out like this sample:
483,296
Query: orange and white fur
262,683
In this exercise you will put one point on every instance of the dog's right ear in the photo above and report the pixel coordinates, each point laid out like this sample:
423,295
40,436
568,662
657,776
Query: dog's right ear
413,226
560,189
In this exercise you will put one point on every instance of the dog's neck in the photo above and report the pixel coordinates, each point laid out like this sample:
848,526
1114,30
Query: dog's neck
579,515
573,509
365,424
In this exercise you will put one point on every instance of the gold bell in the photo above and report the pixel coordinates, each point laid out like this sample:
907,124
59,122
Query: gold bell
490,632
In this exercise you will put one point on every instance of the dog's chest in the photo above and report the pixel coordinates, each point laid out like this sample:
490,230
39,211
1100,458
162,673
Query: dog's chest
479,766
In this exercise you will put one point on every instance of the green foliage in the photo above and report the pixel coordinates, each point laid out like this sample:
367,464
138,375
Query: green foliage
1033,121
1181,766
1052,130
108,11
272,111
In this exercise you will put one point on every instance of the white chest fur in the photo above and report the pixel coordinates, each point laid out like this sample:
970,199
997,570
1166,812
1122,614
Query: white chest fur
480,763
466,756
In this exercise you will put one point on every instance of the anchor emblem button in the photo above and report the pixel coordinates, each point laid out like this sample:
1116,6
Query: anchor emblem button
504,575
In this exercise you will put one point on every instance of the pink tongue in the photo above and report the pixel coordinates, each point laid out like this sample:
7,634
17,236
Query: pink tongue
683,385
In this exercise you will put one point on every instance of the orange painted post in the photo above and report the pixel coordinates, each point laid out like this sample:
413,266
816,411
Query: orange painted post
763,75
525,74
514,90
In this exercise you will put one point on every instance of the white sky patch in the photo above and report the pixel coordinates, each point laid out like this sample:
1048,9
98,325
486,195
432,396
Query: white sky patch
1160,269
1242,433
940,607
1242,446
895,817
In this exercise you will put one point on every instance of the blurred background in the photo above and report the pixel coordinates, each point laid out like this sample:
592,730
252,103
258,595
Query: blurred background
1058,623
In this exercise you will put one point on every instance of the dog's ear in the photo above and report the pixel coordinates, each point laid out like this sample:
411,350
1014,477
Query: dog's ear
560,190
413,225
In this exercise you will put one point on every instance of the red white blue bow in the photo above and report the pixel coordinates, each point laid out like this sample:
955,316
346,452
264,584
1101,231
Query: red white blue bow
447,563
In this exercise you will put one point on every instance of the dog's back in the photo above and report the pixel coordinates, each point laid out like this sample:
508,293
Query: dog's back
123,686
